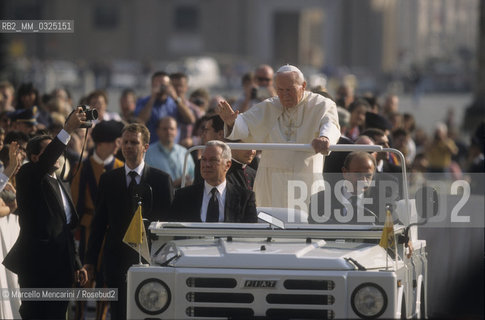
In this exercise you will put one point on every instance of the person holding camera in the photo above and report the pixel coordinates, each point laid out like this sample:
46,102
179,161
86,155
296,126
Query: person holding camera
44,255
162,102
248,98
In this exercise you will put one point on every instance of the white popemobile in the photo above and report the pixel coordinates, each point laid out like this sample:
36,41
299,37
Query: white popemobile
275,269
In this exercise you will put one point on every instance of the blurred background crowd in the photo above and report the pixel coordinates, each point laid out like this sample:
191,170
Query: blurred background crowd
413,69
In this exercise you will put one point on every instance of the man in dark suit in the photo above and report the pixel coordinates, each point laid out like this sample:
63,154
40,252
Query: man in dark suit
240,173
216,199
44,255
348,201
116,205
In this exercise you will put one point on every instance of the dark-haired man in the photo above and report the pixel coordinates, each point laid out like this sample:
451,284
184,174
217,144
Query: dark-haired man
385,162
180,83
44,255
163,101
348,202
213,129
116,205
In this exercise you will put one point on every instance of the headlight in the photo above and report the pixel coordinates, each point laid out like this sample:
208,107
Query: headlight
152,296
369,300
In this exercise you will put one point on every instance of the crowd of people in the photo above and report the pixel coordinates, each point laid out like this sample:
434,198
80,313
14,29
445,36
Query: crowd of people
144,144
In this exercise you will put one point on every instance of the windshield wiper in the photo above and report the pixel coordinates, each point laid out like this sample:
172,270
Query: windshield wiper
357,264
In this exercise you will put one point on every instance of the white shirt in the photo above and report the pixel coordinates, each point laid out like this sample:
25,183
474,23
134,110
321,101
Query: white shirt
221,197
380,166
138,170
98,160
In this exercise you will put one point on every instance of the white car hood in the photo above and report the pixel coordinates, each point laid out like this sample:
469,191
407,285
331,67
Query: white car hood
276,254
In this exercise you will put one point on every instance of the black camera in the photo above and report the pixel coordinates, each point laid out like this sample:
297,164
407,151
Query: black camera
254,93
91,114
163,89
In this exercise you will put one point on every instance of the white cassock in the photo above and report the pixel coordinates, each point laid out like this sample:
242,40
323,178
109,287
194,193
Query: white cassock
280,171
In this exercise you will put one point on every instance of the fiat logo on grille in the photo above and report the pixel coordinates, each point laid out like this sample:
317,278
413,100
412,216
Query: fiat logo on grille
260,283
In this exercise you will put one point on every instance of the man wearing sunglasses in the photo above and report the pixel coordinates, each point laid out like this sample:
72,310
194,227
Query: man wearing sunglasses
263,76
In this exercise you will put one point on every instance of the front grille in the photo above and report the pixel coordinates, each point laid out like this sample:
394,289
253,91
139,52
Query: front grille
299,299
275,297
300,284
211,283
299,314
222,312
226,297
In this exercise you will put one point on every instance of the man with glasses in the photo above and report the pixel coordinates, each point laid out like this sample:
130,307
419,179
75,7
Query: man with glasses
263,76
384,160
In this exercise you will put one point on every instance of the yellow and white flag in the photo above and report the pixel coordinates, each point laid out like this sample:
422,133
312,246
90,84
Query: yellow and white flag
136,237
388,239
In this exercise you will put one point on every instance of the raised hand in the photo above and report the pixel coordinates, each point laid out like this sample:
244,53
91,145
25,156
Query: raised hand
227,114
75,119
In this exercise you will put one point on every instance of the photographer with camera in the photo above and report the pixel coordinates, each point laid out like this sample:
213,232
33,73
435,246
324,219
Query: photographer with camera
250,91
162,102
44,255
98,99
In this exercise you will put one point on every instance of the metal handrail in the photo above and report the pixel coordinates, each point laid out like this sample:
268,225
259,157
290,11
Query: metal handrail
309,148
284,146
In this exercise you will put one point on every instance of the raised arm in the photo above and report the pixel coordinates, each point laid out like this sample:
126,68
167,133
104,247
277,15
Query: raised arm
15,160
187,115
54,149
227,114
146,110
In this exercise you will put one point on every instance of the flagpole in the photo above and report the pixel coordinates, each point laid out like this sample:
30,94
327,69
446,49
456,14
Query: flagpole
139,245
139,254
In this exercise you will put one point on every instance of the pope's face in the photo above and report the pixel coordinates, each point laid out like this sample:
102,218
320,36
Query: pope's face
288,89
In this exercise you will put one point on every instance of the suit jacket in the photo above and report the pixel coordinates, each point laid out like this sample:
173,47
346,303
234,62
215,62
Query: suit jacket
238,176
113,213
240,205
45,246
335,160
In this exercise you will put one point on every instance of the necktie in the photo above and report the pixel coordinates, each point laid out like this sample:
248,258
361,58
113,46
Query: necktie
213,208
353,202
133,183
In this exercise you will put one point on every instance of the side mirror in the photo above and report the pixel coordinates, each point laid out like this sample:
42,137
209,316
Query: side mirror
426,202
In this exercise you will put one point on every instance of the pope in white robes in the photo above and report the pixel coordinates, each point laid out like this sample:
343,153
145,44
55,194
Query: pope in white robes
294,116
